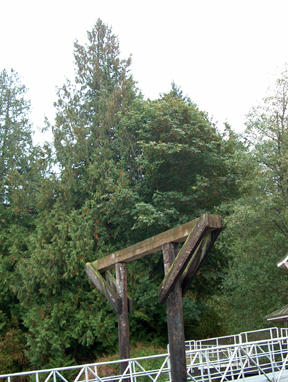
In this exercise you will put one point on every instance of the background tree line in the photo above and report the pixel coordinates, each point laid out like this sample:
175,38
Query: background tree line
120,169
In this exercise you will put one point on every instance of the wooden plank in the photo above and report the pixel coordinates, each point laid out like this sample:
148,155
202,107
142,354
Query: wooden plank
205,245
151,245
204,224
123,320
175,323
104,288
145,247
195,261
182,259
111,281
112,284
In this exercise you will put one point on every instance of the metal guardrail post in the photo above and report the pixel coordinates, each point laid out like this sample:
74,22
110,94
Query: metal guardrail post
169,363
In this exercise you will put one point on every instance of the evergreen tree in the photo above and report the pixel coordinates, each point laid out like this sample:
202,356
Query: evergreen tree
128,169
180,167
88,109
177,162
256,233
15,129
63,312
17,182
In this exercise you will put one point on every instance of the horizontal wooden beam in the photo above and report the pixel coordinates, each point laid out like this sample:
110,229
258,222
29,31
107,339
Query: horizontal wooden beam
148,246
204,224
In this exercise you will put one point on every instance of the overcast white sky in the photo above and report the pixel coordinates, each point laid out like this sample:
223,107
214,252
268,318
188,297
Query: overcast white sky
222,53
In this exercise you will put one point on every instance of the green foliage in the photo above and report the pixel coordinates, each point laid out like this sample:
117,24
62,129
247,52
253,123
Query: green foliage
125,169
148,323
15,130
256,233
19,177
137,351
12,356
66,320
62,311
177,161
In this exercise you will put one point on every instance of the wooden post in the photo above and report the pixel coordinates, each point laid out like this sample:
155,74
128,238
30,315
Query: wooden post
199,235
123,320
175,323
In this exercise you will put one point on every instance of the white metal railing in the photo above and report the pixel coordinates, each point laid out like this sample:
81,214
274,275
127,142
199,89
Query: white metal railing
152,367
207,360
237,338
267,358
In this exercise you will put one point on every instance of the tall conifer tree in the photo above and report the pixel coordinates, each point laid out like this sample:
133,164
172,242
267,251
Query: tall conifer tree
16,215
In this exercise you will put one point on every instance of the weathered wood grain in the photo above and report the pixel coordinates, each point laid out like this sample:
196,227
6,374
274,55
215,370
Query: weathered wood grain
106,284
153,244
206,243
123,319
110,279
175,323
195,261
104,288
145,247
204,224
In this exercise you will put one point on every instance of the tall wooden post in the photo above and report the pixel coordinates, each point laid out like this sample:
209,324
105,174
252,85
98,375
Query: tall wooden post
123,320
175,323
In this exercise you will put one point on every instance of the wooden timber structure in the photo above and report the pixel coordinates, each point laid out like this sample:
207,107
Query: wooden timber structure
198,236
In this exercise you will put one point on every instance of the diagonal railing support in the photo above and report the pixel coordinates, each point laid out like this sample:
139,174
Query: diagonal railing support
254,363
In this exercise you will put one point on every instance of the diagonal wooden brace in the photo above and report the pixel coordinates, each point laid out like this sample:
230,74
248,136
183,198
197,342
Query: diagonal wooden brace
104,287
195,261
190,255
197,258
107,287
